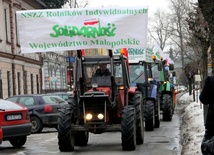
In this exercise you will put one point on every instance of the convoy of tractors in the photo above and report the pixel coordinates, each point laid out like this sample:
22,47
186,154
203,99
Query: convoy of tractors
129,100
134,93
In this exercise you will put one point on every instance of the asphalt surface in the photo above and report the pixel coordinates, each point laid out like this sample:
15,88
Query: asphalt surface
162,141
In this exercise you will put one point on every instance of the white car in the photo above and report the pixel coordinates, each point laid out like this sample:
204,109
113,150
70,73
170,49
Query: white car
182,88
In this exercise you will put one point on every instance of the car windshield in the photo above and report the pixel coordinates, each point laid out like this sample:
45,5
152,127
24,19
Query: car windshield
53,99
7,105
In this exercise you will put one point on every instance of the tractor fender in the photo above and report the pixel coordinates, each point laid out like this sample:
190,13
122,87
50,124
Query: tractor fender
150,99
167,92
168,86
154,92
132,90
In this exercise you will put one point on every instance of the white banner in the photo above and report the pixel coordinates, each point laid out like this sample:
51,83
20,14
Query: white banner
82,28
135,55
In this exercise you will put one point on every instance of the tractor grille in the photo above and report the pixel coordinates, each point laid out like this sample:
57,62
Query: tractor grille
95,106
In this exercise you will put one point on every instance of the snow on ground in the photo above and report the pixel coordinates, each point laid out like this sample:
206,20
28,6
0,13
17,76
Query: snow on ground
192,128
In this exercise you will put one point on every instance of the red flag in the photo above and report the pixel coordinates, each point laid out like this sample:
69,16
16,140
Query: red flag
83,52
126,52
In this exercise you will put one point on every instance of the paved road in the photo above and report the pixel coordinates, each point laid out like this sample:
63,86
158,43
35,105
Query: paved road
162,141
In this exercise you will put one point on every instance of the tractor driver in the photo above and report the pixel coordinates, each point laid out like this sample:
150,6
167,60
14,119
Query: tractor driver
102,75
102,70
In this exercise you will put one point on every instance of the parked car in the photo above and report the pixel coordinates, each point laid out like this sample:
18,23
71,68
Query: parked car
65,95
1,134
15,123
182,88
43,109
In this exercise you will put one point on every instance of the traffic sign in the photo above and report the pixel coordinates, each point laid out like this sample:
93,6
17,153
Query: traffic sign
72,59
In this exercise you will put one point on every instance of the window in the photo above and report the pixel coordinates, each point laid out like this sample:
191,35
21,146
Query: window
13,99
27,101
8,83
7,24
19,83
17,35
53,100
1,87
156,73
25,82
31,80
37,84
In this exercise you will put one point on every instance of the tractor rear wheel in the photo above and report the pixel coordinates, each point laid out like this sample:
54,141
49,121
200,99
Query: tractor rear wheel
136,100
167,107
66,137
149,115
128,128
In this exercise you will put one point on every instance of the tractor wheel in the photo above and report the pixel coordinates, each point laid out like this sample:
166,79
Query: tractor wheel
136,100
128,128
157,112
167,108
149,115
81,138
66,137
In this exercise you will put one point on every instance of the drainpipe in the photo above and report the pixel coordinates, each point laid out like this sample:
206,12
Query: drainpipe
12,47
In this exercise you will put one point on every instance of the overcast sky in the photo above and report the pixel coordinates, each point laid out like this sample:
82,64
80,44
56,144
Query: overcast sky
152,4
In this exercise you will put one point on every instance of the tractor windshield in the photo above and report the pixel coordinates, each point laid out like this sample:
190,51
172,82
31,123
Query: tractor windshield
101,81
156,73
137,73
100,73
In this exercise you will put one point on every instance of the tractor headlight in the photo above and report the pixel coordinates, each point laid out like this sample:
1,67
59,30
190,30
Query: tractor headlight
121,87
94,85
88,117
150,79
100,116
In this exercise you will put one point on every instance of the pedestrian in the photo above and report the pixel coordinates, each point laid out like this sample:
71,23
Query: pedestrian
207,146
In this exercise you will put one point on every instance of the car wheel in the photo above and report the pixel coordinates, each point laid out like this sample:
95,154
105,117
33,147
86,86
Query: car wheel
36,125
18,141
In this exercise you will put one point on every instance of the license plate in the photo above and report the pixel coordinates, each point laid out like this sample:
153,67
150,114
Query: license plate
14,117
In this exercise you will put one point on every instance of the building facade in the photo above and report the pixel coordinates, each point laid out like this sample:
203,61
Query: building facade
26,73
54,72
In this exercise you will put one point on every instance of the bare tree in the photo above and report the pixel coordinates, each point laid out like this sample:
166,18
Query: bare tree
179,26
207,9
78,3
159,28
200,41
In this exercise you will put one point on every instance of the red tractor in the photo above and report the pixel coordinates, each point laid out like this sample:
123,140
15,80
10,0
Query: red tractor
103,104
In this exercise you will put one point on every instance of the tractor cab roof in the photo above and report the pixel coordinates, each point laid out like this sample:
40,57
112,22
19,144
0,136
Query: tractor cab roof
101,59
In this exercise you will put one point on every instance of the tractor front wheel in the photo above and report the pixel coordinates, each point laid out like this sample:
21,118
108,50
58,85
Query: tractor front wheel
66,137
167,107
149,114
128,128
136,100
